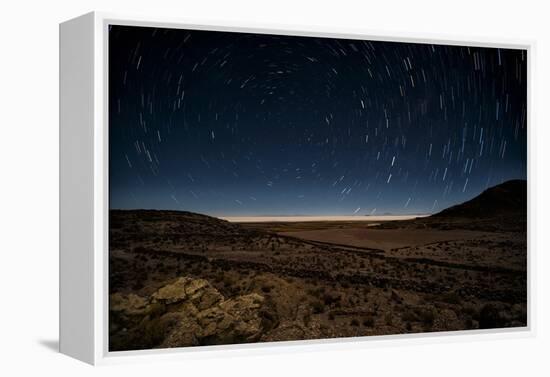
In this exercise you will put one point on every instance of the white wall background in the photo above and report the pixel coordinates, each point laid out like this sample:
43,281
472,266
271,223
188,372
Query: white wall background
29,183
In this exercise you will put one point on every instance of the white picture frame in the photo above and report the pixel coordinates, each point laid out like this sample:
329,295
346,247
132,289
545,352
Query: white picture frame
84,191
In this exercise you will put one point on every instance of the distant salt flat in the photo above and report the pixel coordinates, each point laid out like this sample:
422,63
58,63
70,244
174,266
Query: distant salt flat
266,219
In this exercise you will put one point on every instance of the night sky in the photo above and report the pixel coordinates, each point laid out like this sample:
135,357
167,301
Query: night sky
248,124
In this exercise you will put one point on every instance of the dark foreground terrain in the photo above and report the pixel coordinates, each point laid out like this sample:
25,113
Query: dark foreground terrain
184,279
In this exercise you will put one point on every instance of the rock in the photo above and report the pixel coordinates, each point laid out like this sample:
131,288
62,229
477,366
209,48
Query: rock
131,304
172,293
208,299
183,333
190,312
126,311
194,287
197,291
247,322
242,305
230,321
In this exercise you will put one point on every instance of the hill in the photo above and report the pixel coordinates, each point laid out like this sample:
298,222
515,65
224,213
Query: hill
501,208
508,198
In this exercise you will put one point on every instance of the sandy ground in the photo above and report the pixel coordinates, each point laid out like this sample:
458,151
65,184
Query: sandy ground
268,219
384,239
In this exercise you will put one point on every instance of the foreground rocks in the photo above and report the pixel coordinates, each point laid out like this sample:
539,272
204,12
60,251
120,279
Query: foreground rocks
186,312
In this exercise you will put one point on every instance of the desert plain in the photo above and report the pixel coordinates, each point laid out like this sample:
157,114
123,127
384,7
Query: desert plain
179,279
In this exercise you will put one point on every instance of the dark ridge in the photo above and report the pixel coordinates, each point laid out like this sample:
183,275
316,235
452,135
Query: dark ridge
501,208
505,199
171,222
160,213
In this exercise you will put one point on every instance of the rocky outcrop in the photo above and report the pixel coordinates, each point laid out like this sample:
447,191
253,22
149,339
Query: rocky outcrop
196,291
129,305
185,312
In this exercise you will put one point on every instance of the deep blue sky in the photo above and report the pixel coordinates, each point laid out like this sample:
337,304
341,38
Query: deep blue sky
248,124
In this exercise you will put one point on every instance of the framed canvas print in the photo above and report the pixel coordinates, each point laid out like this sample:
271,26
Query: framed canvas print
245,187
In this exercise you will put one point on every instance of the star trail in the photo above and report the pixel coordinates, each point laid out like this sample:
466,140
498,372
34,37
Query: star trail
227,123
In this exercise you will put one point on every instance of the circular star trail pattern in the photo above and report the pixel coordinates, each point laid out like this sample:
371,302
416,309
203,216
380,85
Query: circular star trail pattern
251,124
